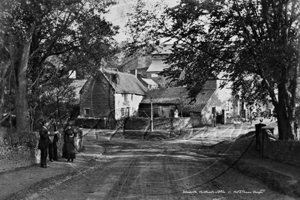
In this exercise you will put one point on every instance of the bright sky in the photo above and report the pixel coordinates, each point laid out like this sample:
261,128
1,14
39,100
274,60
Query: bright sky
118,14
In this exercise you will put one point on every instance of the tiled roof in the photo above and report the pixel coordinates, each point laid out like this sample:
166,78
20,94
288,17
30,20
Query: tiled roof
157,66
178,96
124,83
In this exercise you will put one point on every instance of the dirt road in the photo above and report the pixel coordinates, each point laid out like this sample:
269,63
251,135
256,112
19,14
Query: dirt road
134,169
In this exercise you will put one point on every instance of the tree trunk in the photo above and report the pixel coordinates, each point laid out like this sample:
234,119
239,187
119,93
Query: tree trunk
285,126
3,70
20,52
285,122
21,90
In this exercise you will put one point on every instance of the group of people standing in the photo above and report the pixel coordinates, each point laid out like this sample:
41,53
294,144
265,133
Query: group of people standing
49,137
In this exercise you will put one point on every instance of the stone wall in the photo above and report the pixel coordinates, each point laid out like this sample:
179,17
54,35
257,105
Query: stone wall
172,123
160,123
18,150
284,151
196,120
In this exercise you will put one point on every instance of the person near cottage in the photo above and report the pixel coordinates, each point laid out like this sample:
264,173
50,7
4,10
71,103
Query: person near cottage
53,136
69,143
44,142
214,119
78,139
176,113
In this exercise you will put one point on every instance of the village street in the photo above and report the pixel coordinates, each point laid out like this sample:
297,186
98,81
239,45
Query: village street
149,99
178,169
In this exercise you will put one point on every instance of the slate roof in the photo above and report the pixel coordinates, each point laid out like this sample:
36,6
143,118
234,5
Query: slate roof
124,83
157,66
178,96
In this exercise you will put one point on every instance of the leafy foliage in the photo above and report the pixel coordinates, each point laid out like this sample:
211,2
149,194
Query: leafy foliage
252,44
143,28
74,30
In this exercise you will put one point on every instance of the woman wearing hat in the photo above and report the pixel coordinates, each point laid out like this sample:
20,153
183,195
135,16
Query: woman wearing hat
69,143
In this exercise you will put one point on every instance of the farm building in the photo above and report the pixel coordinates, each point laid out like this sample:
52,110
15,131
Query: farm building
111,95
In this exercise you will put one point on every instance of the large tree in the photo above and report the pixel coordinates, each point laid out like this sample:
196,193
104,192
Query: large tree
255,44
39,29
4,68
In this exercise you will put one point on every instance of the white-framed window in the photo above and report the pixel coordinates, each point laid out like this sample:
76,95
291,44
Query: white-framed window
122,112
86,111
154,75
125,111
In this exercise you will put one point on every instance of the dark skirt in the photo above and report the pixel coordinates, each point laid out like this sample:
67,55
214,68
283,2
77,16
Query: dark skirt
69,148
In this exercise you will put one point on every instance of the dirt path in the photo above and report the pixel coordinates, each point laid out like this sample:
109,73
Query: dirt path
132,169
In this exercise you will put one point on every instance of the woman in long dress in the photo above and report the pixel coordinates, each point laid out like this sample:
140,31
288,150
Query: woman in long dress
69,144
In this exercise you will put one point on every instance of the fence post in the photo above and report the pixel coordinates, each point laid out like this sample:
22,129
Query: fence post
151,119
264,139
258,130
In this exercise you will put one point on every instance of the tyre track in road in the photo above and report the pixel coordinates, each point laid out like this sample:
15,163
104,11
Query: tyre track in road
106,180
195,194
170,164
129,175
192,175
132,177
169,187
175,171
179,169
151,170
110,180
149,167
175,189
143,188
149,173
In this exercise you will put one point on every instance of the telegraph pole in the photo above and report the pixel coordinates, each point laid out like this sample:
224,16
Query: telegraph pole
151,118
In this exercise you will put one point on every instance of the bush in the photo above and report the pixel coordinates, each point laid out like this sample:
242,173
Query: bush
28,139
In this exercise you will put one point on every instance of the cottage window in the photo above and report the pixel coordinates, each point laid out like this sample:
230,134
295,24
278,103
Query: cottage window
86,111
122,112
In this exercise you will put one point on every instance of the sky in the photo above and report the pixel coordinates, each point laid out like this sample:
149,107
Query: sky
118,14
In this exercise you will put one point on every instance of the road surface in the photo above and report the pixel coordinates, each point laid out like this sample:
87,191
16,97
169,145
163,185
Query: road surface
136,169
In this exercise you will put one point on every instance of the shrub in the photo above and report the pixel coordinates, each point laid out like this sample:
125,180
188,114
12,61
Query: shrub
14,139
28,139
